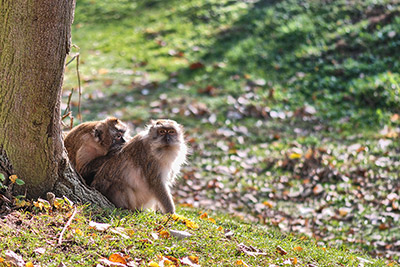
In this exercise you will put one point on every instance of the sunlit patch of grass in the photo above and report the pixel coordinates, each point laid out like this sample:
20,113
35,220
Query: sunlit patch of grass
137,236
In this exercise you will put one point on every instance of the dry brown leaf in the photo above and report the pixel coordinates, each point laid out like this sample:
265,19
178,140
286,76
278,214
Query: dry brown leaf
14,259
280,250
250,250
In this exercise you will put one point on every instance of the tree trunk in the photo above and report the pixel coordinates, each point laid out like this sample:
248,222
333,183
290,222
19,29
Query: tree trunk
34,41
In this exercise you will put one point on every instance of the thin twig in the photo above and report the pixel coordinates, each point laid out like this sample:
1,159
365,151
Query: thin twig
66,225
72,59
68,108
79,87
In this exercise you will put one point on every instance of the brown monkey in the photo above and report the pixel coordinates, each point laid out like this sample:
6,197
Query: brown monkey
141,174
91,140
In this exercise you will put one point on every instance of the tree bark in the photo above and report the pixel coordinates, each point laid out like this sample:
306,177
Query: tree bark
34,42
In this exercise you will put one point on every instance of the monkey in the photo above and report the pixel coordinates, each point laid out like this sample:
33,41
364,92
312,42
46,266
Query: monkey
141,174
90,169
93,139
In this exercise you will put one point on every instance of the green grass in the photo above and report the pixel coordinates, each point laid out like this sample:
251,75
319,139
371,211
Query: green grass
295,103
144,237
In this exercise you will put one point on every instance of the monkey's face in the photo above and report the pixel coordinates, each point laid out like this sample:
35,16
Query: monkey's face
166,133
111,133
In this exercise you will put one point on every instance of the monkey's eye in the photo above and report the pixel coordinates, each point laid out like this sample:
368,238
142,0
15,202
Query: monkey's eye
171,131
162,131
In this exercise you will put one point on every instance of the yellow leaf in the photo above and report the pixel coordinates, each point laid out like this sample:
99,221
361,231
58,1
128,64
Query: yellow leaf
167,263
164,234
38,205
240,262
130,232
153,264
294,155
220,228
20,203
1,260
294,260
297,248
178,218
204,215
79,232
29,264
13,178
269,205
191,225
212,220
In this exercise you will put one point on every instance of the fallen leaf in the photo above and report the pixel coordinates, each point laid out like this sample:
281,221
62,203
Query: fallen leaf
119,231
13,178
204,215
79,232
194,259
280,250
173,260
383,226
180,234
107,262
29,264
318,189
40,251
294,155
298,249
196,65
250,250
268,204
117,257
164,234
190,262
212,220
14,259
191,225
242,263
153,264
344,211
229,234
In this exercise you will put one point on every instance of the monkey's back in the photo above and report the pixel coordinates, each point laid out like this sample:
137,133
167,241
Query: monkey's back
121,177
75,138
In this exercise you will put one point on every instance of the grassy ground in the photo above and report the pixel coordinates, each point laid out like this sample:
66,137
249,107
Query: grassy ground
148,239
291,107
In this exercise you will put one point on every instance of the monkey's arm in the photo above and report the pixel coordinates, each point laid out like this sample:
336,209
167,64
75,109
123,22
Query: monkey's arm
89,170
164,197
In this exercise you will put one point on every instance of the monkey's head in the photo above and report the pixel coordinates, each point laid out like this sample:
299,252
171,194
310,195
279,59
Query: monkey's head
166,133
110,132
